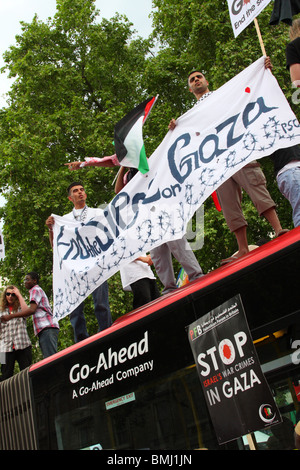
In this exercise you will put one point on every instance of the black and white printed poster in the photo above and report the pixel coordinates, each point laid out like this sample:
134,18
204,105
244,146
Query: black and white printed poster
236,391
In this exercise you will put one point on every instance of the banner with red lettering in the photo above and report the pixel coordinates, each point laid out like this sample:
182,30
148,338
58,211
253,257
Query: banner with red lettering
236,392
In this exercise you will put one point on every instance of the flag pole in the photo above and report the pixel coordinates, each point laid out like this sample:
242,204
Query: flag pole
259,37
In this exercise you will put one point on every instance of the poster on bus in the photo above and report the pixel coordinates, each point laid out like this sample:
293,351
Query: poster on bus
236,392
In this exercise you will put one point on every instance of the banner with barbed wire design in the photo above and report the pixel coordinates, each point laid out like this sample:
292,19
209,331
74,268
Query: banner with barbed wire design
244,120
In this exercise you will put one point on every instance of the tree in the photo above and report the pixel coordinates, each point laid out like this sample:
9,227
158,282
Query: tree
74,79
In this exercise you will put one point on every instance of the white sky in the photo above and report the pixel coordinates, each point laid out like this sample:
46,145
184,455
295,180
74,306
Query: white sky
14,11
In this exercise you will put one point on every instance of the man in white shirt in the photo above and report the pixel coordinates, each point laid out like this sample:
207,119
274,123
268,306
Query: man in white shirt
81,212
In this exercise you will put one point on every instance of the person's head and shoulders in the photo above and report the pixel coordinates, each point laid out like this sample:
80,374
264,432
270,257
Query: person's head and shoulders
198,85
32,280
81,211
77,196
9,301
8,298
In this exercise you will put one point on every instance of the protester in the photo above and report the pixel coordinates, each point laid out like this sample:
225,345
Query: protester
15,345
44,324
83,213
250,178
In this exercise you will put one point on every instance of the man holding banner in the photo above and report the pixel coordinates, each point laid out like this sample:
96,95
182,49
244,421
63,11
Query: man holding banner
82,213
250,178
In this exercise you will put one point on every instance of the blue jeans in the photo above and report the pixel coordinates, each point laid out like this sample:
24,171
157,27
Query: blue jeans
289,186
48,341
102,312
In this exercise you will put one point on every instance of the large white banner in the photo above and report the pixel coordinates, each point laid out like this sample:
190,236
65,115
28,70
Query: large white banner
246,119
242,12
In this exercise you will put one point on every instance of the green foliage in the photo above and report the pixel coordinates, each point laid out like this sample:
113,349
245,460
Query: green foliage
75,77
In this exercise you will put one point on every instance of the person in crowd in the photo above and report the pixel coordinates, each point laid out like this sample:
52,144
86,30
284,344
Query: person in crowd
15,344
83,213
44,324
137,276
292,53
230,192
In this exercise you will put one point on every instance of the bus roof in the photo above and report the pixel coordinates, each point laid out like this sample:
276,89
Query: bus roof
274,248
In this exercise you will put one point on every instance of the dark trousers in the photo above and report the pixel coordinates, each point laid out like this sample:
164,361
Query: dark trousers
102,313
22,356
144,290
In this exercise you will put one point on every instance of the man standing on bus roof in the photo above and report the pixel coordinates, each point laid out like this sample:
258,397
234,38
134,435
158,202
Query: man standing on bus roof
83,213
230,192
44,324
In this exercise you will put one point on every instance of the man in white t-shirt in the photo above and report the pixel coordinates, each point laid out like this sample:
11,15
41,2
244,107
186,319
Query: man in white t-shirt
83,213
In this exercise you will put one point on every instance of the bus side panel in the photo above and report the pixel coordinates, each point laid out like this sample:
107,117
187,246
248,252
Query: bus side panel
110,367
16,417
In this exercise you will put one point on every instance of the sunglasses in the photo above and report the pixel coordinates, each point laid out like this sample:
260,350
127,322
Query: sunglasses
195,76
10,293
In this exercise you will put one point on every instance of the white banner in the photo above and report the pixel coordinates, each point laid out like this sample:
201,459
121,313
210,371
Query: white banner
246,119
242,12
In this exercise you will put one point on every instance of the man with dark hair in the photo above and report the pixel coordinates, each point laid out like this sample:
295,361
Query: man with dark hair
250,178
45,326
83,213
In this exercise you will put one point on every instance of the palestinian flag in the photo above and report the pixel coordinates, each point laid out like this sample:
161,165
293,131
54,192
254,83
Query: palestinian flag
128,137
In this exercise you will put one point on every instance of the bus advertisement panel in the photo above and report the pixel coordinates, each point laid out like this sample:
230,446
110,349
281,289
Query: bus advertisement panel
233,383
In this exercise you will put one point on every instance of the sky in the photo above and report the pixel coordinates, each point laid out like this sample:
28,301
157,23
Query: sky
14,11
